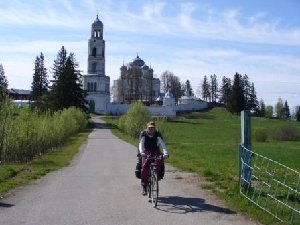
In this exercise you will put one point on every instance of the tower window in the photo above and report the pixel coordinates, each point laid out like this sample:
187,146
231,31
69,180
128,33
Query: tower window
96,33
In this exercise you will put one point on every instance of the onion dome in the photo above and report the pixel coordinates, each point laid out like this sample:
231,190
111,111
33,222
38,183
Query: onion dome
145,67
138,61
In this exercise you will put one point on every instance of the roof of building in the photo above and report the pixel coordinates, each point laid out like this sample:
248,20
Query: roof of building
97,22
145,67
169,94
19,91
138,61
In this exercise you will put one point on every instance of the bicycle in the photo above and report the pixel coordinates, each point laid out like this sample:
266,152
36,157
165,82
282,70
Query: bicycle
153,187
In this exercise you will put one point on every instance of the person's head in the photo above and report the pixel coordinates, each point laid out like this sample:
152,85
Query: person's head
151,127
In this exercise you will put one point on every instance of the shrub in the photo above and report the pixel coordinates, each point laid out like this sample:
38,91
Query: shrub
261,135
28,133
286,133
135,119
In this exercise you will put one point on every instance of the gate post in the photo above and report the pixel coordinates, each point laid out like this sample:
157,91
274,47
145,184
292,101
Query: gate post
244,152
246,129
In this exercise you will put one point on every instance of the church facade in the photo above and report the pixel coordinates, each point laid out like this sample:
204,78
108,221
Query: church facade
95,82
136,82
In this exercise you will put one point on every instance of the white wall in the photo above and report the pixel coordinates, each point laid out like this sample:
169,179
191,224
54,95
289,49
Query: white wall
119,109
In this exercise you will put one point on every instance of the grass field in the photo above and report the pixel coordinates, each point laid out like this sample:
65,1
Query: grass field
207,143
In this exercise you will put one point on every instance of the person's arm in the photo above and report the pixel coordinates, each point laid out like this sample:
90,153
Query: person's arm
162,144
142,145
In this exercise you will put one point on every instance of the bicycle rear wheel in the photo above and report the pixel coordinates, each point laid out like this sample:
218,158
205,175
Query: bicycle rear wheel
154,187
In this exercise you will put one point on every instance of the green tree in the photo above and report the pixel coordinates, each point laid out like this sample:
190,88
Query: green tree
253,103
286,110
3,84
269,111
279,109
262,108
205,89
298,114
40,83
67,86
247,90
237,101
225,90
135,119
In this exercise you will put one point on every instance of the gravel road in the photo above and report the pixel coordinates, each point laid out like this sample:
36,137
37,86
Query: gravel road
99,188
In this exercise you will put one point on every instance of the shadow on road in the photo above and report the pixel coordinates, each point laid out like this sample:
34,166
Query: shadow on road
182,205
5,205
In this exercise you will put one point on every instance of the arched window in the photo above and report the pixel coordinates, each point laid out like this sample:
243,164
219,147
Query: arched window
94,52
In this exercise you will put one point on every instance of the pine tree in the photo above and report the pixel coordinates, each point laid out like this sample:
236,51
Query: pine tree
3,83
247,91
286,109
188,89
213,87
205,89
298,114
67,87
252,103
237,98
40,83
262,108
225,90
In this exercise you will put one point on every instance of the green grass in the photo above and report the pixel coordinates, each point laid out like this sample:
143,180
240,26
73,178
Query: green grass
207,143
13,175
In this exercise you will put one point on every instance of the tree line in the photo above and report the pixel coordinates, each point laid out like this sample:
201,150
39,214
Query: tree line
56,112
66,89
236,95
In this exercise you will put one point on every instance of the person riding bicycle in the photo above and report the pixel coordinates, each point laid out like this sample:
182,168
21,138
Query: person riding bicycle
150,138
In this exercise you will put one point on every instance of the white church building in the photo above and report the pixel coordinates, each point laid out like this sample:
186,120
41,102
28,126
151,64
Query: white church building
97,84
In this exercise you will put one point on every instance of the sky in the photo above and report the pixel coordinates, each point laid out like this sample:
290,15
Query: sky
190,38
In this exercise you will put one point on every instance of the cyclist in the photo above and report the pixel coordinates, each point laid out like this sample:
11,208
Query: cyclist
150,138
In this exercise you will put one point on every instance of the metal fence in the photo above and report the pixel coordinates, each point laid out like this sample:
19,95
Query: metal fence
272,186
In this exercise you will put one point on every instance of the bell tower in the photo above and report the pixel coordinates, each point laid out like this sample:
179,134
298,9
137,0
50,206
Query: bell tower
96,83
96,58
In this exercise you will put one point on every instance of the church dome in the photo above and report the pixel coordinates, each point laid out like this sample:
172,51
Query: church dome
97,22
138,61
145,67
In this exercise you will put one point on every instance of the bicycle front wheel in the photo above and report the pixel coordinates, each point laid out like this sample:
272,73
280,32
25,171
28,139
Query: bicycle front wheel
154,188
